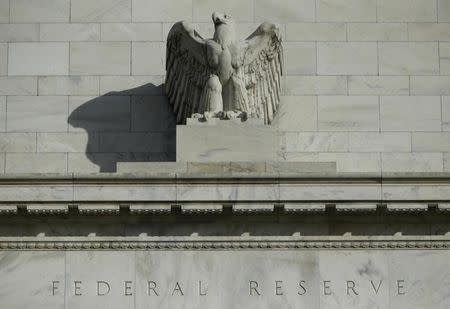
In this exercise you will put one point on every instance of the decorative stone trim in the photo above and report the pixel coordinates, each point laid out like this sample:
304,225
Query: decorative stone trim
201,209
48,209
304,207
262,207
225,243
144,209
99,209
8,209
253,208
356,207
407,207
443,207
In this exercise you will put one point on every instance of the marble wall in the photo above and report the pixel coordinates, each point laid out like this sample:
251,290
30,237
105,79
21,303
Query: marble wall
367,82
224,279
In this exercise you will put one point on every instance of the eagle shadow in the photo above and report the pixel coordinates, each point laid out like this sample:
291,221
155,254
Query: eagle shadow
132,125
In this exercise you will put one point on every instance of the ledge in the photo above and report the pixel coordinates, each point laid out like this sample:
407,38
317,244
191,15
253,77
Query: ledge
217,188
309,176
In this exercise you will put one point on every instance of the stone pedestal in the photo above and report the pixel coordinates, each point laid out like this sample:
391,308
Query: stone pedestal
218,140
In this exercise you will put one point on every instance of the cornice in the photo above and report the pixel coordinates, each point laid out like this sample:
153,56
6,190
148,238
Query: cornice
210,208
100,194
251,177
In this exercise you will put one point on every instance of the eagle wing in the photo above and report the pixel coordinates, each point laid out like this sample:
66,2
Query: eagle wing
187,70
263,68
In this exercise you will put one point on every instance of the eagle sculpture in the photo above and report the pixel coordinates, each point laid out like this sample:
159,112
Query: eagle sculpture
222,77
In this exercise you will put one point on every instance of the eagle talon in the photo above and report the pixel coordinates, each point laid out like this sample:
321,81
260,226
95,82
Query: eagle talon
227,115
207,116
197,116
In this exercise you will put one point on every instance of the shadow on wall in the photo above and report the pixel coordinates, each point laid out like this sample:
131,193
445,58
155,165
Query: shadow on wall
133,125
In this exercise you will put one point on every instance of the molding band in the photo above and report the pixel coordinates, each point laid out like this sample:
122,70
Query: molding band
226,243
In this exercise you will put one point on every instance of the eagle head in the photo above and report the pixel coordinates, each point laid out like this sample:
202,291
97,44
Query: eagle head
221,18
224,26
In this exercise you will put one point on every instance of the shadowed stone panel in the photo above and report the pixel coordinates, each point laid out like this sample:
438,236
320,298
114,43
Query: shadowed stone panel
133,142
98,114
151,113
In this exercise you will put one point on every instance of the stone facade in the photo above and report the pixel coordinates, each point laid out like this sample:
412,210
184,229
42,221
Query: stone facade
342,202
92,73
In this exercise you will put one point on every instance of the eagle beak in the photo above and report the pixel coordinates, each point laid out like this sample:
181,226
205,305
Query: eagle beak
216,19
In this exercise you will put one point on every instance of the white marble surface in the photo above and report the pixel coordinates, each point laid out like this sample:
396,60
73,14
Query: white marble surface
242,142
89,267
27,279
351,66
376,279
